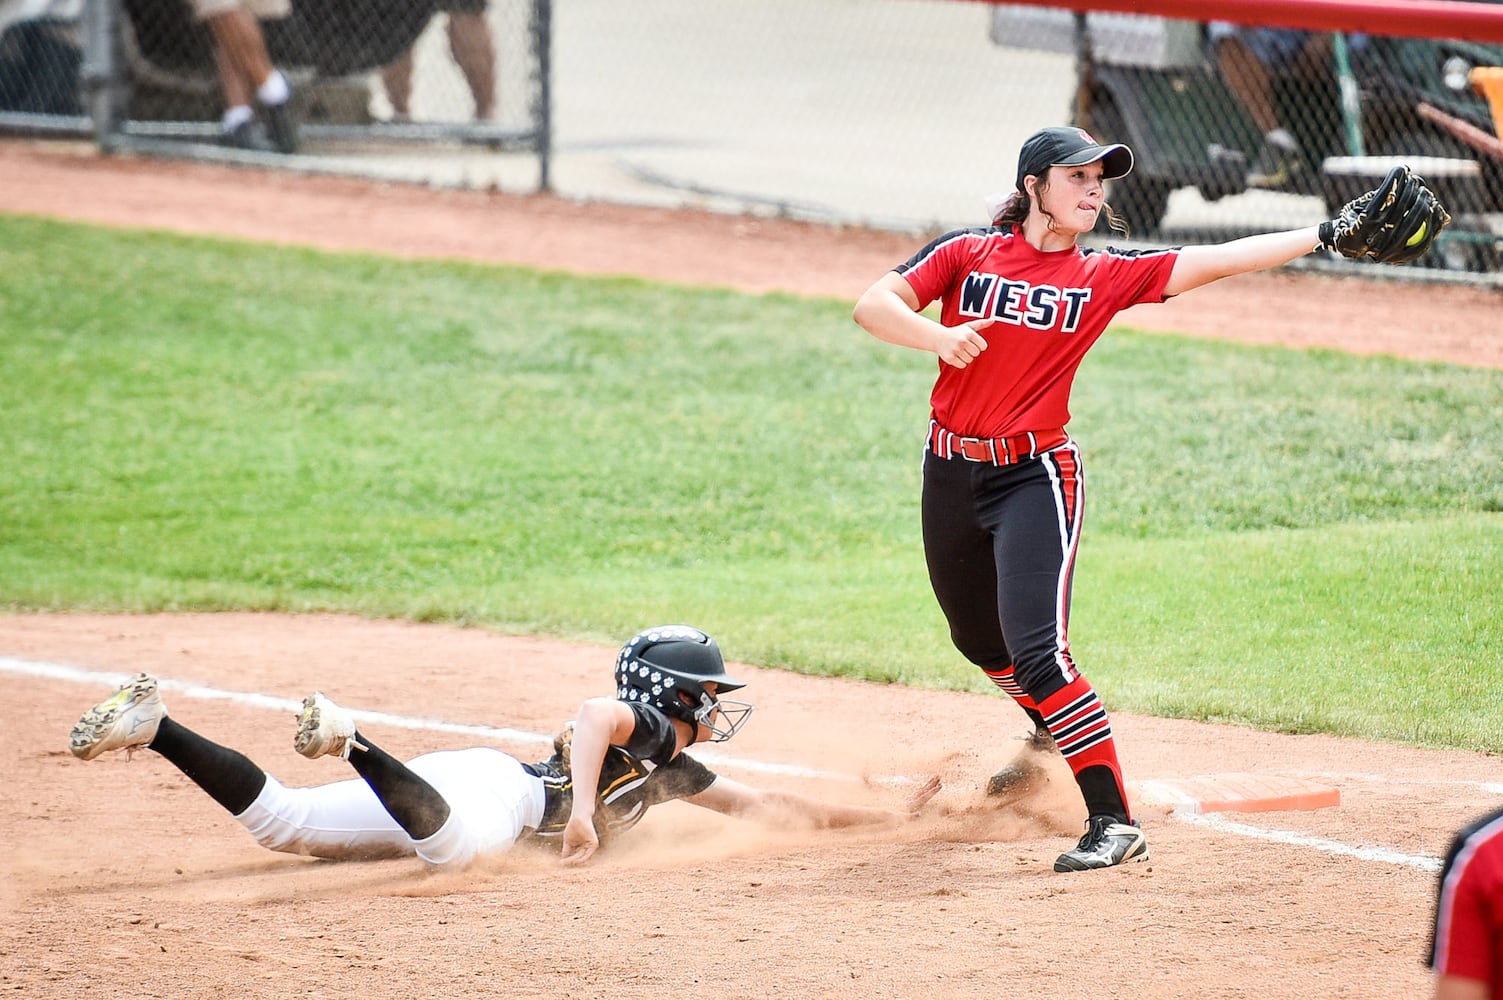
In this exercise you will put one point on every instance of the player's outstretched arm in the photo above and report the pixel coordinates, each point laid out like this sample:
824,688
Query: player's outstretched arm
1201,265
773,807
1395,223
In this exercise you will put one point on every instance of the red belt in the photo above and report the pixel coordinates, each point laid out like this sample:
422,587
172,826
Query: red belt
994,451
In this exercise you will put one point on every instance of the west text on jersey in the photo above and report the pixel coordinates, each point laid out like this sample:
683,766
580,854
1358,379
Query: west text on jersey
1038,307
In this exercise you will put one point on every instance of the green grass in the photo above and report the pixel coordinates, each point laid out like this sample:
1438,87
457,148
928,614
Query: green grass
1377,630
1300,541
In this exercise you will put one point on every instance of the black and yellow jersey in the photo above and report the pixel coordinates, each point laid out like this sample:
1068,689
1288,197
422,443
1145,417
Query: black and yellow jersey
633,777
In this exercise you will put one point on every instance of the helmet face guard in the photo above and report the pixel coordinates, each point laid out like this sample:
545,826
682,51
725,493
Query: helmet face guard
723,718
668,667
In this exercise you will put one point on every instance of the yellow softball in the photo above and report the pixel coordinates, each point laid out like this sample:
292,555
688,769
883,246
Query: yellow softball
1419,234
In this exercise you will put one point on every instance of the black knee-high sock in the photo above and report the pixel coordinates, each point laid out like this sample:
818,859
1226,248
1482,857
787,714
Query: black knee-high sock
412,802
229,776
1102,792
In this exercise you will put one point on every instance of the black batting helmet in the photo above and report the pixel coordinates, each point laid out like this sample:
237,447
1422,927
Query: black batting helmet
659,664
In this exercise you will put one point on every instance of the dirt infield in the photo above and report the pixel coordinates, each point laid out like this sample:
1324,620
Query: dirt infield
119,879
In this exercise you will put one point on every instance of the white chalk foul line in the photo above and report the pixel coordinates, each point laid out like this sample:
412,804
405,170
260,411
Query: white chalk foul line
1380,854
57,671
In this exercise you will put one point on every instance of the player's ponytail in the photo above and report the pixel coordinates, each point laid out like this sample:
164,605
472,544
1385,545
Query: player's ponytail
1010,209
563,748
1115,222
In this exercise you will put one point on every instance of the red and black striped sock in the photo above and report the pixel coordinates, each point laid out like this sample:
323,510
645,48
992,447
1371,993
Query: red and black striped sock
1005,680
1078,722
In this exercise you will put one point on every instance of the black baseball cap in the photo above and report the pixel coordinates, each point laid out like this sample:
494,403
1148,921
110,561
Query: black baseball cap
1067,146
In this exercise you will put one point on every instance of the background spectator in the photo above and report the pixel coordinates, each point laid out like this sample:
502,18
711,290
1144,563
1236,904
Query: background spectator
474,51
246,73
1249,60
40,54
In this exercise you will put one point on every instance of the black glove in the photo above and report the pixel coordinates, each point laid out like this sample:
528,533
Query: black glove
1393,224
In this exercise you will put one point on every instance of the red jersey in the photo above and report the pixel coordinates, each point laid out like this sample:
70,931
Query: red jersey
1050,307
1468,938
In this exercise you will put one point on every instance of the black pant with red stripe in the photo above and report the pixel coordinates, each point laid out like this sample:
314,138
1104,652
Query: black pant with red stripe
1000,542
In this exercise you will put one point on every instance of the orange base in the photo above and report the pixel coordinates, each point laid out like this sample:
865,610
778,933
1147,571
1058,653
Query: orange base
1236,793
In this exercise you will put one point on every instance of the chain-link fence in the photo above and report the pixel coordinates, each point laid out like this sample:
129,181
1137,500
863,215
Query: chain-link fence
1216,111
41,58
899,114
362,76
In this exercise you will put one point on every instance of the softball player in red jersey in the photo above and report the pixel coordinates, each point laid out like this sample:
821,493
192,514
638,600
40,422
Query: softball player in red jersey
1003,494
1466,950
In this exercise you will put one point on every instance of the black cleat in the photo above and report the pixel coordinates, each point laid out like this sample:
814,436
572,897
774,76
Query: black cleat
246,135
281,126
1107,842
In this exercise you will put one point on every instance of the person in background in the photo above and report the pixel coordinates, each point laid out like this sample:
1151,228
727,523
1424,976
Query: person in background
1249,60
1466,947
246,74
474,51
41,51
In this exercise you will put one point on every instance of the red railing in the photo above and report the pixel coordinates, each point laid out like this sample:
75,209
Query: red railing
1463,19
